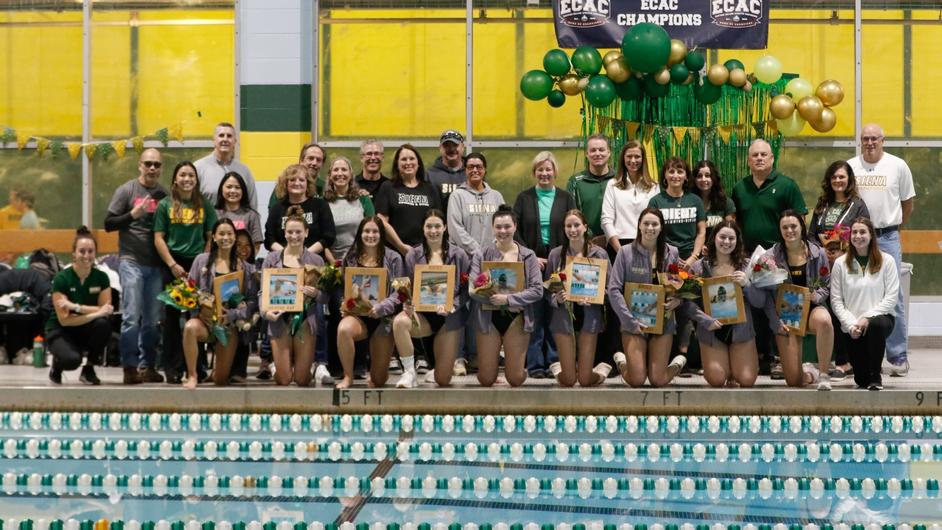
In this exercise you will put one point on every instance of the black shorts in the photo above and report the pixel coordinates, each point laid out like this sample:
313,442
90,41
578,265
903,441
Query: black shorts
579,313
725,334
371,325
435,321
502,320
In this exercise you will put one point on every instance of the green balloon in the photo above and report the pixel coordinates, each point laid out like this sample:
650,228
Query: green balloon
556,99
556,62
653,89
707,93
733,64
646,47
600,92
586,60
630,90
694,61
679,73
536,85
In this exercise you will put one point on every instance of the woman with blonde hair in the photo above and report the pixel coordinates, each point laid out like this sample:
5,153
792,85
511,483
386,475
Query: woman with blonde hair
296,187
626,195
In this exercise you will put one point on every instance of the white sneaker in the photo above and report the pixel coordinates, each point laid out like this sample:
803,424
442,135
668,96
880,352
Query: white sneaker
680,361
824,382
421,366
322,376
461,368
602,370
811,369
896,370
620,360
556,369
430,376
408,380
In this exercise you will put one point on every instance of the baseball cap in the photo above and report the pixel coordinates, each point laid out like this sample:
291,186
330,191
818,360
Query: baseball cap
452,136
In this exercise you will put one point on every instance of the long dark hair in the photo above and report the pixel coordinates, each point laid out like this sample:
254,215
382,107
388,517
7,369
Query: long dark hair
828,197
565,245
737,256
435,212
419,172
358,250
196,198
801,223
243,203
214,248
716,198
874,257
660,247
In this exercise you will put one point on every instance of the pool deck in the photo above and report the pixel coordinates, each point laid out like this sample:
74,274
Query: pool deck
28,388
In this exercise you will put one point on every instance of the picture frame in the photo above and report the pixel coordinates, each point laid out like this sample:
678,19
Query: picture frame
793,303
281,290
433,286
585,279
225,286
364,283
646,303
723,300
508,278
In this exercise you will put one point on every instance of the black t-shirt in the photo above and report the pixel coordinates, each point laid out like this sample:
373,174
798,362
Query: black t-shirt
371,186
406,207
320,223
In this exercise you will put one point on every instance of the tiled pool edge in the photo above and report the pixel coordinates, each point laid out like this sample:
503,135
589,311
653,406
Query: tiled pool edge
612,400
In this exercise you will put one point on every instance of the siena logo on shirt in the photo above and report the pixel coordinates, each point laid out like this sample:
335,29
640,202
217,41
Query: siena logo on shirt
679,215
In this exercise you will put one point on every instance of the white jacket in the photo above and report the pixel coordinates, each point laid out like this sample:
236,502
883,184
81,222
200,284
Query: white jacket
621,208
856,293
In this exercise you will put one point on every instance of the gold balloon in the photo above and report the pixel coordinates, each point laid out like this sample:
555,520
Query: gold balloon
617,70
810,108
830,93
678,52
583,82
569,84
613,55
737,77
663,76
781,107
690,78
718,74
826,122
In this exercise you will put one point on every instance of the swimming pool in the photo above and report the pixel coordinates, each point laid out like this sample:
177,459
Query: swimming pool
200,471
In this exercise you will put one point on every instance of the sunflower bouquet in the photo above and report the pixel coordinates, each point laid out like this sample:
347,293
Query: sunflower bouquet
180,294
323,277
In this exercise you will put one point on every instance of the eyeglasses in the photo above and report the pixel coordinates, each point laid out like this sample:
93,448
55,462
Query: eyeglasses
474,167
870,138
151,163
372,153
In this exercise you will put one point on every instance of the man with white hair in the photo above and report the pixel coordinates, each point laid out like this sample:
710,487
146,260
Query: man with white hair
885,183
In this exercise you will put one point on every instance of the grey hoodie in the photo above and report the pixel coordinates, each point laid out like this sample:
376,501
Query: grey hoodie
469,217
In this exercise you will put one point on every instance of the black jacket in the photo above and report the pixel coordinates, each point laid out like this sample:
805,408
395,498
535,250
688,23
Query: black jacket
528,220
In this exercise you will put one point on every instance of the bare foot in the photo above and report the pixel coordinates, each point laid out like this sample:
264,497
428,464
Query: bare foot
190,383
344,383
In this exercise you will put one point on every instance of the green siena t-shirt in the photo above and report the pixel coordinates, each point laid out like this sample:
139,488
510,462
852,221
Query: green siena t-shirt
681,215
69,284
715,217
184,234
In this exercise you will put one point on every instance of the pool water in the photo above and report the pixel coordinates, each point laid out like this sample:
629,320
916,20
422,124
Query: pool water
78,471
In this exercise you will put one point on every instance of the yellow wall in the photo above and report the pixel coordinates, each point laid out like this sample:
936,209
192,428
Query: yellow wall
400,79
186,73
268,153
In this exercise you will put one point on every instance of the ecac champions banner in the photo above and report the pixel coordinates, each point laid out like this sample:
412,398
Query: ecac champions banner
727,24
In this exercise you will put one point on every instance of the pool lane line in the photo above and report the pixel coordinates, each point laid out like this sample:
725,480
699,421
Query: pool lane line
382,469
522,506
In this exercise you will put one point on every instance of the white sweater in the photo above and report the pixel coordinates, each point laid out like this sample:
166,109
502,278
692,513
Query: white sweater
621,208
856,293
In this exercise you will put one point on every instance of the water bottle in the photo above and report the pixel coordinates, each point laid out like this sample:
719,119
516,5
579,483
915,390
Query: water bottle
39,352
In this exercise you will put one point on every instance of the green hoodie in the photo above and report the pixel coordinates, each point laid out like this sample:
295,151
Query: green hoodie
587,190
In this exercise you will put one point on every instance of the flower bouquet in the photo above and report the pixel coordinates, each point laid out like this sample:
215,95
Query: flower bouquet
180,294
206,313
323,277
762,270
357,304
555,284
822,281
679,283
839,234
403,289
483,286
